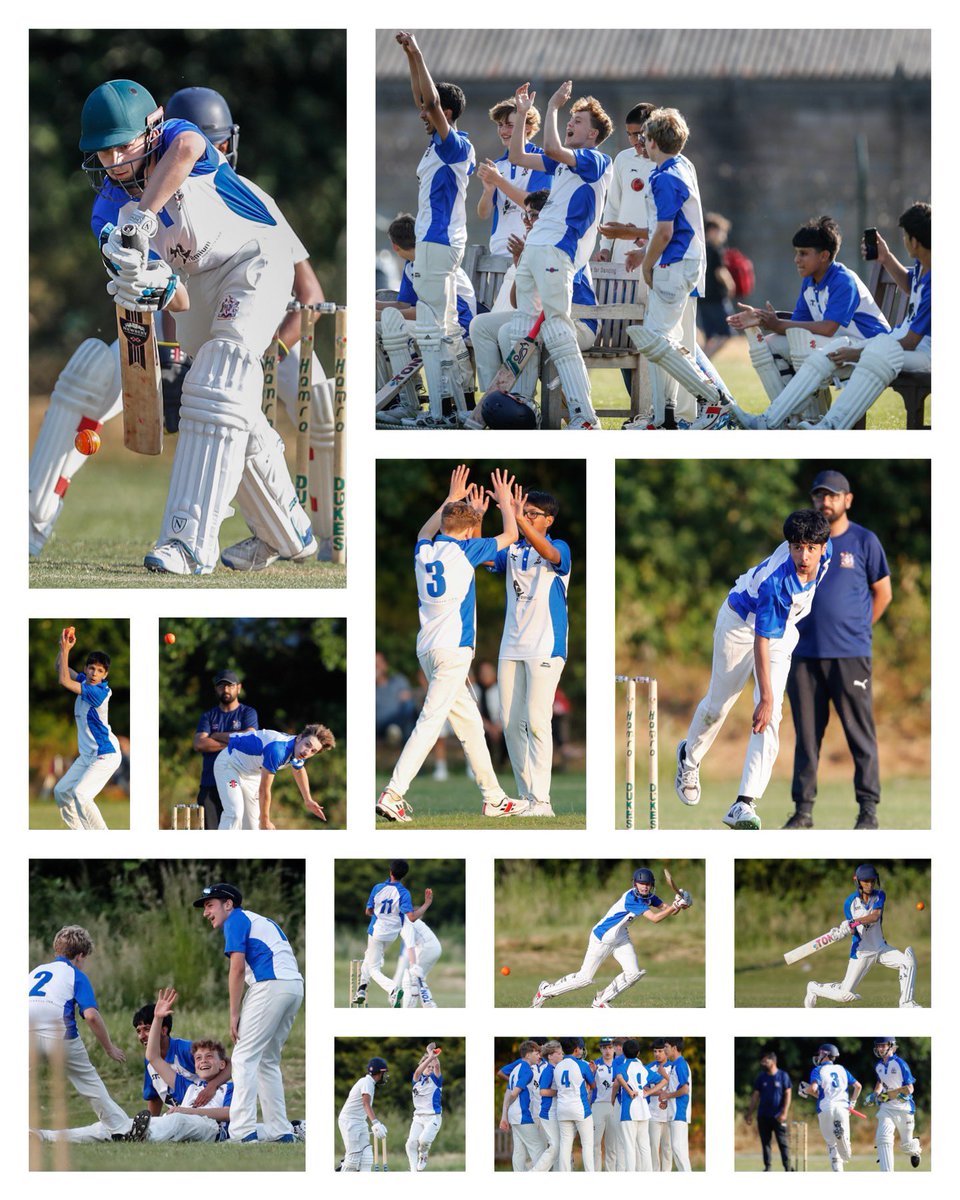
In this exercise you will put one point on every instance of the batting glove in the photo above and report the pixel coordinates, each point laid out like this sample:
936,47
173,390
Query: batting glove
148,289
378,1129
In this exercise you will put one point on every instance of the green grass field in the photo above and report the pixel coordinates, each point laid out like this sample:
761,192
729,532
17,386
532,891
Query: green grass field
448,979
817,1159
101,544
456,803
733,364
125,1083
446,1154
44,814
543,924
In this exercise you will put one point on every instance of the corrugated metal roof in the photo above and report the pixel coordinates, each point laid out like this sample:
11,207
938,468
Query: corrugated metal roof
511,54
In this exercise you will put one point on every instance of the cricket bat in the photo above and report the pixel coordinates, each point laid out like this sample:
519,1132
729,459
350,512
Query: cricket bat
139,371
515,361
392,388
818,943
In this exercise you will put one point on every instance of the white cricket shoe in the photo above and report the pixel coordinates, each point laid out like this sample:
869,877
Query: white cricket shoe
538,808
172,558
748,420
299,1130
643,420
253,554
742,815
810,999
598,1003
505,808
687,783
578,422
537,1001
422,1161
426,421
393,807
911,1004
396,998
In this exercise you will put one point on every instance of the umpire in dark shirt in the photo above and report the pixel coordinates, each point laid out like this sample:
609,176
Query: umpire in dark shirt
832,661
229,716
772,1091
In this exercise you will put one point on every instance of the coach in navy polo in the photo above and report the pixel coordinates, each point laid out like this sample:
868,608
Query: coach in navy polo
772,1092
228,716
833,659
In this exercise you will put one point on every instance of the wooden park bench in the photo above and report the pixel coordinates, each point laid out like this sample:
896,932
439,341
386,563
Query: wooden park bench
913,387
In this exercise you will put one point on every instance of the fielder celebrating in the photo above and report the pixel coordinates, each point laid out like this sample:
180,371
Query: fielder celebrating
446,555
245,771
167,180
518,1113
98,751
58,990
427,1109
830,1084
611,936
863,919
756,631
573,1080
260,1020
893,1095
390,909
356,1112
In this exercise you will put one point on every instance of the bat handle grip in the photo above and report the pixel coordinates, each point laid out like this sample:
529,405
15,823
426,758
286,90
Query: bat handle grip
133,238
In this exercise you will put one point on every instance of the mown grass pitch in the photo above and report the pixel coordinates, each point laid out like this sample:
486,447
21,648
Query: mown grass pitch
456,803
817,1159
44,814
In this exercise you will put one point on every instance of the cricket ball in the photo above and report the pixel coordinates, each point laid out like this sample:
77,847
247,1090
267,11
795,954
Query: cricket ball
504,970
87,441
920,906
169,638
71,632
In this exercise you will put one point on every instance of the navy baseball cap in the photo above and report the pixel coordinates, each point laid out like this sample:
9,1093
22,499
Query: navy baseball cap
830,481
607,1041
225,677
219,891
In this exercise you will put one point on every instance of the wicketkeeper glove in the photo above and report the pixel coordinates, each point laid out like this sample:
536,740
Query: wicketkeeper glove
378,1129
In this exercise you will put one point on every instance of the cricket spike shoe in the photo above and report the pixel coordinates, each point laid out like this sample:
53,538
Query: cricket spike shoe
138,1130
687,783
505,808
393,807
742,814
537,1001
253,554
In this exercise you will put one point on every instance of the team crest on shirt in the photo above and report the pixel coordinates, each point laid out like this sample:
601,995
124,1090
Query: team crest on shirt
233,783
229,307
847,558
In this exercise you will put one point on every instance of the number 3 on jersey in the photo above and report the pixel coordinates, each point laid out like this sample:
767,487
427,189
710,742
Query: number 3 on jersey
437,585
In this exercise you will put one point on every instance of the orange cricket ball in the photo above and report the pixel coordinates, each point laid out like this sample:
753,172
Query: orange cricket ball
920,906
504,970
169,638
71,632
87,441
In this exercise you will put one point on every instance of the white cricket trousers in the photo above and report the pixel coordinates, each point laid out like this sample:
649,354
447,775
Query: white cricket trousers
83,1075
492,341
527,690
435,280
357,1150
568,1130
672,311
449,697
373,961
679,1135
635,1145
423,1132
239,794
266,1018
529,1144
834,1122
893,1119
661,1153
606,1135
598,951
732,666
551,1130
77,790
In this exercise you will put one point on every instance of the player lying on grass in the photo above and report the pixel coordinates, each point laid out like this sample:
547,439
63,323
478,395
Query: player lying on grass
611,936
448,551
427,1108
419,953
356,1112
390,909
835,1091
245,771
87,392
893,1096
906,348
756,632
177,1053
98,751
863,913
795,357
58,990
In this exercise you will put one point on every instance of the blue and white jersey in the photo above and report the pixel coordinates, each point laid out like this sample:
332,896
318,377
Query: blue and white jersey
669,1109
619,915
180,1056
843,297
633,1108
507,214
94,735
263,944
428,1095
217,720
870,937
56,990
770,596
895,1073
266,749
389,901
679,1071
212,216
917,317
603,1077
546,1084
676,197
834,1083
442,174
446,590
466,296
185,1092
572,1078
521,1110
569,219
535,621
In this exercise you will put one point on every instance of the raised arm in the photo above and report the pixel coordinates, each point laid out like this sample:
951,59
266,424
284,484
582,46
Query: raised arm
457,491
517,152
891,264
553,147
67,641
502,494
418,912
166,998
425,94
